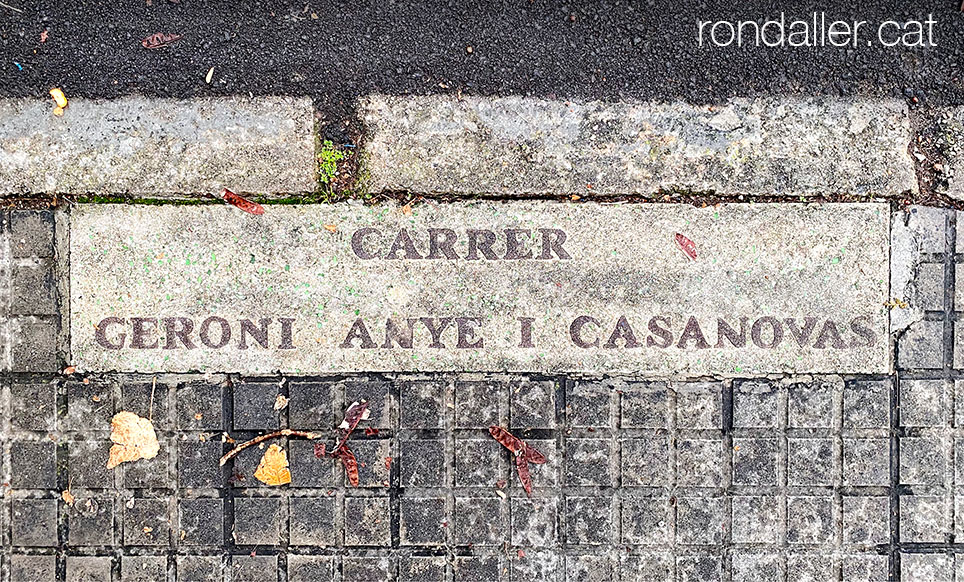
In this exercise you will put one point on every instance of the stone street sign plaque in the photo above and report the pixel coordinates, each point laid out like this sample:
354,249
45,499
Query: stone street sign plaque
488,286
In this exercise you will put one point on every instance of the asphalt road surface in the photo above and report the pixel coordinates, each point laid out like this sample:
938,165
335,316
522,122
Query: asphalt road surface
337,50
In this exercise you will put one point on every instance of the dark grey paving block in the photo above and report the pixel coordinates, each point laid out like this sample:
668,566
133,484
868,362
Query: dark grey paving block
645,520
200,569
866,404
33,465
87,464
757,566
922,402
479,521
147,400
754,404
33,289
312,521
33,568
247,568
310,406
89,406
422,404
379,399
754,461
866,520
589,520
919,348
865,567
810,404
151,473
33,345
535,565
698,568
477,404
257,521
200,522
644,405
811,520
88,569
371,456
477,568
422,463
699,405
371,519
197,463
589,568
920,567
308,470
32,233
147,522
310,568
366,569
588,404
33,522
144,568
755,519
923,461
533,405
810,461
33,406
588,462
477,462
422,521
254,406
645,462
421,569
700,520
699,462
866,461
199,406
645,565
90,522
810,566
923,519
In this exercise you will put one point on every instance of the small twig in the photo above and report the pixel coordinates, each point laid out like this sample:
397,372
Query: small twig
150,413
271,435
15,9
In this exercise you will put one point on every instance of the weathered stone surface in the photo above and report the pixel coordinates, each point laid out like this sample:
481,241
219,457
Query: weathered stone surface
602,288
757,147
157,148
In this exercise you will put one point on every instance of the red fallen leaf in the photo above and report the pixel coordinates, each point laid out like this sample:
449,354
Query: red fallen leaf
348,459
687,246
357,412
506,439
246,205
522,466
388,463
524,454
369,431
534,456
160,40
319,450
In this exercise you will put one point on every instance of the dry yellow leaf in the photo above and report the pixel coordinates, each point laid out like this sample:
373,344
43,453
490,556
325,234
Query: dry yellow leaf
134,438
280,402
273,469
68,498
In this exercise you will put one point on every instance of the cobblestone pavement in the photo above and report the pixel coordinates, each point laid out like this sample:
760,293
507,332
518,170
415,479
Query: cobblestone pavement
851,478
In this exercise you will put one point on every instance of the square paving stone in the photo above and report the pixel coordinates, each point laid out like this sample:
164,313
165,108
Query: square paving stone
588,569
197,463
645,462
533,405
754,405
201,522
151,473
865,568
930,286
922,461
33,406
922,402
477,404
477,568
254,406
750,566
310,406
307,470
148,400
926,567
700,520
32,233
810,520
645,566
422,404
86,462
543,476
922,519
422,463
699,405
477,463
588,462
589,520
866,520
199,406
810,461
33,522
32,289
699,568
810,405
370,518
88,569
959,400
421,569
33,345
754,461
535,565
478,521
645,521
310,568
33,465
379,399
756,520
143,568
357,569
920,347
147,523
257,521
644,405
33,568
534,522
246,568
312,521
588,405
866,461
866,404
421,521
245,465
200,569
371,456
699,463
91,522
89,407
810,568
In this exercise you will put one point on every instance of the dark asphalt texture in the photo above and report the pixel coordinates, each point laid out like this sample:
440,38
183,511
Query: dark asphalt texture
337,50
